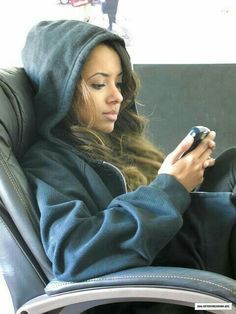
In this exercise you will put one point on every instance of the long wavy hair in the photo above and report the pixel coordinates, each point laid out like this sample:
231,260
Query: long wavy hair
126,146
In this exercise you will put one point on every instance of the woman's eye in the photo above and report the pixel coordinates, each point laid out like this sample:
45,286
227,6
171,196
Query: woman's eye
97,86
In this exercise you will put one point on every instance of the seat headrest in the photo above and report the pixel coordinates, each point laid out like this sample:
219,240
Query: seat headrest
17,118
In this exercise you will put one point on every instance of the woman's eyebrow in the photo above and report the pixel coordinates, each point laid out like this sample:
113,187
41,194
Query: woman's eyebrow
103,74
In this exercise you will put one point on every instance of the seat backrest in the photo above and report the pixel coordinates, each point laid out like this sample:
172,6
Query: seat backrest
21,251
22,273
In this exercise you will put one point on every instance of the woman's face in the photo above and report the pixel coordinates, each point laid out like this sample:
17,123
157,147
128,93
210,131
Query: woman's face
102,74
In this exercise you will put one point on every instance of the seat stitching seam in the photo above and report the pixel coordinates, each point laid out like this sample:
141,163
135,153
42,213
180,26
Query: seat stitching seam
12,179
152,276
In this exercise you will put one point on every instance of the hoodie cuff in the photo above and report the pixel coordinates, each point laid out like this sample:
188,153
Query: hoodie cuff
175,191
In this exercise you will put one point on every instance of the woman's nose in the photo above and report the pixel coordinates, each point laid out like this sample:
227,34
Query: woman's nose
115,95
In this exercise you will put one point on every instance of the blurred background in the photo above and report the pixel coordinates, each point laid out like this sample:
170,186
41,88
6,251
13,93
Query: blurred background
157,31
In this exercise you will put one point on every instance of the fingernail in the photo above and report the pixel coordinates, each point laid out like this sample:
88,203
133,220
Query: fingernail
213,133
189,138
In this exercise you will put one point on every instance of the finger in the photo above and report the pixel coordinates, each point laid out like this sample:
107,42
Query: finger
211,135
210,139
183,146
207,143
209,162
205,155
211,144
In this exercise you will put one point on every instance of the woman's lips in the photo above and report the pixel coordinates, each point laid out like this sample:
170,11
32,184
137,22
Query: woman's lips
112,116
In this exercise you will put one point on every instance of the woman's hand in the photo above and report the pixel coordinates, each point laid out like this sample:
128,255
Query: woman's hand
189,170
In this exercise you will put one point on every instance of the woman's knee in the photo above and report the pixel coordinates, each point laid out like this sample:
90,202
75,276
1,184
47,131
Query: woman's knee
228,156
225,163
222,176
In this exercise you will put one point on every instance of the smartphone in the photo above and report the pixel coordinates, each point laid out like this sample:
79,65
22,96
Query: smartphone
198,133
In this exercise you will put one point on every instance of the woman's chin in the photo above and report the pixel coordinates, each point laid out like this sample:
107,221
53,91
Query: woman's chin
106,128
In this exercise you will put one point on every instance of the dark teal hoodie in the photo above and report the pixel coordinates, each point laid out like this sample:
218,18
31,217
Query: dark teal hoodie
90,224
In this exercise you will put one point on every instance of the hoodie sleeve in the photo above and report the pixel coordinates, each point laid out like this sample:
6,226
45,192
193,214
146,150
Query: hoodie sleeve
83,240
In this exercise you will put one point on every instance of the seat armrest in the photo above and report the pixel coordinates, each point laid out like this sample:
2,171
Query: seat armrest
151,284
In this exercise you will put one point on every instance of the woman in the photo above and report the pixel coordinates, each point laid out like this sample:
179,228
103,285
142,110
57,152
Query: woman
107,200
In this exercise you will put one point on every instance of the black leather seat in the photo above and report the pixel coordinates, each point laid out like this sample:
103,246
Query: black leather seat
25,267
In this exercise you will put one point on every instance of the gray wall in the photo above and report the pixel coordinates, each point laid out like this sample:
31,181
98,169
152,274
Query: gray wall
177,97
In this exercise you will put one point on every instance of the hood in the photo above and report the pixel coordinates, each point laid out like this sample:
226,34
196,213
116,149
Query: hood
53,57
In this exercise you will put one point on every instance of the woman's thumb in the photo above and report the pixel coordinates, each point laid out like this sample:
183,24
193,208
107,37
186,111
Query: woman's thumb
183,146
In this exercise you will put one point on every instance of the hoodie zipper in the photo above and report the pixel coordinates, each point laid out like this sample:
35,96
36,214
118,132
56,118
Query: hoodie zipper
117,170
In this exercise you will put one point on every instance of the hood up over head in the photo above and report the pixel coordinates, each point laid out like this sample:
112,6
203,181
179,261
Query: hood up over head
53,57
